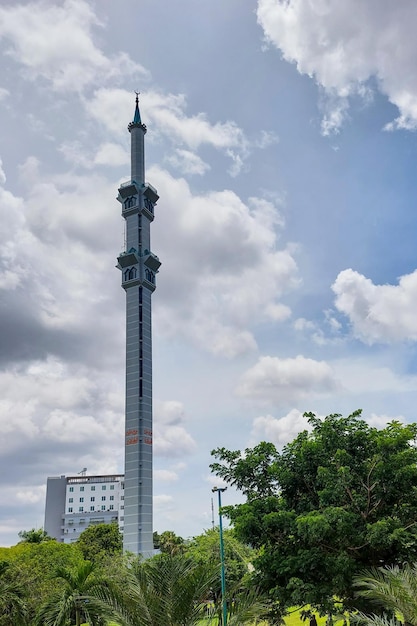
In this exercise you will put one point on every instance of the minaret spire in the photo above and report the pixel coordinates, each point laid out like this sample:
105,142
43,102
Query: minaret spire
136,118
137,131
139,267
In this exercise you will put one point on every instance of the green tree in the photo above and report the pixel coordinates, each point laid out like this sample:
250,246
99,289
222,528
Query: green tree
170,543
205,550
174,590
335,500
13,607
84,596
35,535
32,566
100,541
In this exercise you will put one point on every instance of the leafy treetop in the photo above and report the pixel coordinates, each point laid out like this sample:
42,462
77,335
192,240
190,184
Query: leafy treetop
335,500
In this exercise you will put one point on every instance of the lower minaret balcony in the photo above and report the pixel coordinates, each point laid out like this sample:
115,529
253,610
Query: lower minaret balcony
130,257
151,261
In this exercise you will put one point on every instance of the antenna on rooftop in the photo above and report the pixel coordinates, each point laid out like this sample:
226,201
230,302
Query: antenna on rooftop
83,471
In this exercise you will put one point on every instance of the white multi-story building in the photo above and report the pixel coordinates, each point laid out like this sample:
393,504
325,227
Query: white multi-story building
73,503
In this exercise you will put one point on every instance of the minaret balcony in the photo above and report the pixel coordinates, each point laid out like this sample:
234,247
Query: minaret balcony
129,188
151,261
151,193
131,257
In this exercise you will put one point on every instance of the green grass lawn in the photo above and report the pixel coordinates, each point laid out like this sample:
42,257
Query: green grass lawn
294,618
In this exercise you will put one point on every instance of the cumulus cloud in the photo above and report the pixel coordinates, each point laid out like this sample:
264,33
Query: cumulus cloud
378,313
2,174
171,439
279,431
342,44
226,272
46,408
280,381
380,421
167,115
56,44
163,475
187,162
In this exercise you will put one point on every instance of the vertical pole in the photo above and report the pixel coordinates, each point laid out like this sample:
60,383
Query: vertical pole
223,573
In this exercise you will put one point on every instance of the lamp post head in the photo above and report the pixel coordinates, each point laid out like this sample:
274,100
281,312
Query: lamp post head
214,489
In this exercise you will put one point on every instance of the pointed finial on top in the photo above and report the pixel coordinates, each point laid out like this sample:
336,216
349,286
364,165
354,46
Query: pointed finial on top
136,118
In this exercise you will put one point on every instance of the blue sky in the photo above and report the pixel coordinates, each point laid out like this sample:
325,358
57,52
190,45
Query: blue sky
281,139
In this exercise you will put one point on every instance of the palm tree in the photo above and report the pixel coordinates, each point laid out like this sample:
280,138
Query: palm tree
13,609
85,596
393,589
174,590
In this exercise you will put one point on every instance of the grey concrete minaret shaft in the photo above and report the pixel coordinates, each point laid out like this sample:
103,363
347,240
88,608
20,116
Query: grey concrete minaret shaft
139,267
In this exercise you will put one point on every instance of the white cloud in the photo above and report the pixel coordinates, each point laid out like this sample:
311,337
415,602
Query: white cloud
187,162
280,381
344,43
166,115
378,313
47,408
380,421
163,500
55,43
163,475
225,271
111,154
171,438
2,174
279,431
108,153
215,481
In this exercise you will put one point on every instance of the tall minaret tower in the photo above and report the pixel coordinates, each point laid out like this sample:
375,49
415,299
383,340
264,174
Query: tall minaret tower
139,267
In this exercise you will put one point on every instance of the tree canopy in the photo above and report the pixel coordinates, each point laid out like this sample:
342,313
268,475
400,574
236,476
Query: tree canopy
334,501
100,540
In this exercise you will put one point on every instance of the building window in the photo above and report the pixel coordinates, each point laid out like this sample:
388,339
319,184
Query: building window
80,509
111,507
103,508
92,499
111,487
71,489
149,275
93,488
103,487
111,497
81,488
122,507
122,497
70,509
129,202
103,498
81,499
91,508
70,499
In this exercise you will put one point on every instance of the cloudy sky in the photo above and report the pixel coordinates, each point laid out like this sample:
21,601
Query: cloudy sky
281,139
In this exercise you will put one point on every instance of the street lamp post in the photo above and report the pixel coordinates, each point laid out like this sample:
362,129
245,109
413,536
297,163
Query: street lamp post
223,573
